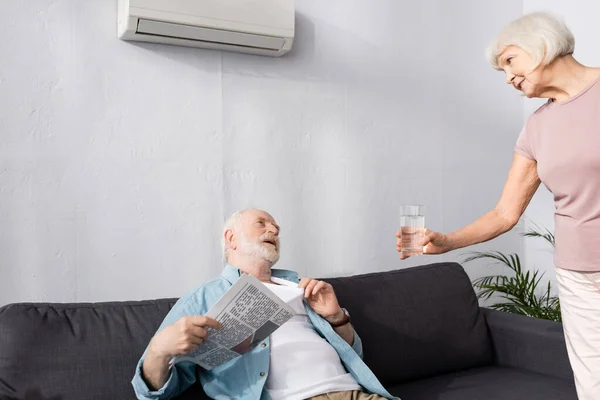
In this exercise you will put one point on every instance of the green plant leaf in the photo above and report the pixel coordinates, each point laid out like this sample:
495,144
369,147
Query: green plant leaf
520,292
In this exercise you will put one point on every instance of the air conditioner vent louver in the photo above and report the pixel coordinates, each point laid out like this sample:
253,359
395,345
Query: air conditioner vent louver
208,35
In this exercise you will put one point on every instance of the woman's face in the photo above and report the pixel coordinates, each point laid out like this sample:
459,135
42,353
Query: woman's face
517,66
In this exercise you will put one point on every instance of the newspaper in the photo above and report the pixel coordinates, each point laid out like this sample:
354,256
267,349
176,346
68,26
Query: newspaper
248,312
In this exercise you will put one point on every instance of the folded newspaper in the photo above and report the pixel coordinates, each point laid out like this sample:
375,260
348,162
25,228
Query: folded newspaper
248,312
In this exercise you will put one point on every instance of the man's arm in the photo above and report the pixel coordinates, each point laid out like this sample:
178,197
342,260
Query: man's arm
153,378
346,331
155,371
181,337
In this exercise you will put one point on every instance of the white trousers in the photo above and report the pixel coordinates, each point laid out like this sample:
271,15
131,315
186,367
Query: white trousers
579,294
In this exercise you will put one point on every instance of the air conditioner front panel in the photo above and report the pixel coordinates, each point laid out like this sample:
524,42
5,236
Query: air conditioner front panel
276,14
264,27
195,33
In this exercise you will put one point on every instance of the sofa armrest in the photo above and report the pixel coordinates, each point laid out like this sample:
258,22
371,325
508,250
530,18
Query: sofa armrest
532,344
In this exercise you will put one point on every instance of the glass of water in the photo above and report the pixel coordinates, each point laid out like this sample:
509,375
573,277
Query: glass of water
412,228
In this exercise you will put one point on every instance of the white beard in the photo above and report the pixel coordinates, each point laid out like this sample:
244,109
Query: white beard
260,249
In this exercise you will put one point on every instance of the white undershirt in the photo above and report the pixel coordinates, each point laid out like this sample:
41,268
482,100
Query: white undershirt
303,364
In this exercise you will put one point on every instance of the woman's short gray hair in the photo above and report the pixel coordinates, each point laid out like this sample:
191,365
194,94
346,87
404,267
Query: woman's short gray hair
543,36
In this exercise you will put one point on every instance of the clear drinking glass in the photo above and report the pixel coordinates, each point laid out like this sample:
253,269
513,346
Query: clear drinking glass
412,227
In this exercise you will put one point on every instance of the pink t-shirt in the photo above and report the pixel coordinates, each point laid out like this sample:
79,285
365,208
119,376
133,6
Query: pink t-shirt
564,139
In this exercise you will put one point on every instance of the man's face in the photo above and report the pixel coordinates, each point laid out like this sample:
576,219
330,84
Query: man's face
258,236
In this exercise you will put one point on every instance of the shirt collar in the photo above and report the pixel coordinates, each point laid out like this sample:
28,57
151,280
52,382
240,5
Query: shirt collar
232,274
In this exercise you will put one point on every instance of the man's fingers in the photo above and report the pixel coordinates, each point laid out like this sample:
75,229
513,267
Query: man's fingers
199,332
318,287
204,321
188,347
309,288
212,323
303,282
196,341
399,234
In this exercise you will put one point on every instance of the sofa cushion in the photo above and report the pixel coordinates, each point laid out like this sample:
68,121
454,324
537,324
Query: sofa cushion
488,383
78,351
416,322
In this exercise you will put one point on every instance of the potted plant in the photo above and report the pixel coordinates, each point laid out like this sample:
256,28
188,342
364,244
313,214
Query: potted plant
522,292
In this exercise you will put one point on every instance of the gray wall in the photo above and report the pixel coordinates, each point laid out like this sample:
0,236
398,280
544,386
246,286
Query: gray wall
120,161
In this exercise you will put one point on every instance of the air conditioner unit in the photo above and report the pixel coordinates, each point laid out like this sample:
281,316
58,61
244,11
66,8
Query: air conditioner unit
264,27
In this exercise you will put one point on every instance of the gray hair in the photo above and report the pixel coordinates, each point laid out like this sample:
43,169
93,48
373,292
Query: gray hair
232,223
543,36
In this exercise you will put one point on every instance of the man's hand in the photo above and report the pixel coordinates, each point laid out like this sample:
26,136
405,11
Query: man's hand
321,298
183,336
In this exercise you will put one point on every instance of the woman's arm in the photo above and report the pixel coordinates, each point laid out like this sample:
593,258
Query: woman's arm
520,186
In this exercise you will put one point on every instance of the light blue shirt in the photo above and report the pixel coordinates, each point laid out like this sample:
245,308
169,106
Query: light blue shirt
244,377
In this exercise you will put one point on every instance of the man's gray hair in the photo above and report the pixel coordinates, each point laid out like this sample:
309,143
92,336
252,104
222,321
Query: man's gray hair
543,36
233,222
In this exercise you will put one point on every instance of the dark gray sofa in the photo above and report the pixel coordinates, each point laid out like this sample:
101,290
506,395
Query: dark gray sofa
423,333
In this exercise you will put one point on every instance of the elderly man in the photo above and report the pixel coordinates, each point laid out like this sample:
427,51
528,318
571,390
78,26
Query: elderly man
315,355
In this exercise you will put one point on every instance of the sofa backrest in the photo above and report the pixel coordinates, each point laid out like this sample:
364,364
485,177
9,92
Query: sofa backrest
416,322
75,351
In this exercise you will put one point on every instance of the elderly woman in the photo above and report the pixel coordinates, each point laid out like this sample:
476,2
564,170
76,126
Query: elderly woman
560,147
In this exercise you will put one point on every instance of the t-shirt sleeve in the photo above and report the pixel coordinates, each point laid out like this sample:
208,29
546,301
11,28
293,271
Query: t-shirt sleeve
523,146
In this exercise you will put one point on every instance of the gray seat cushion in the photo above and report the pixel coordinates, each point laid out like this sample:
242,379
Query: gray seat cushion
488,383
417,322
